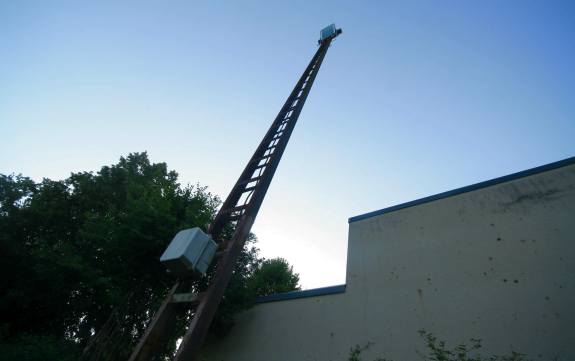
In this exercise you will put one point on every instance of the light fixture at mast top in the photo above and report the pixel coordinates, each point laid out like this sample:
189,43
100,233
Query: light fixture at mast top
329,32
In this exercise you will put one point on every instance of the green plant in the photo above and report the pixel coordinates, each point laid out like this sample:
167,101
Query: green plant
355,353
437,350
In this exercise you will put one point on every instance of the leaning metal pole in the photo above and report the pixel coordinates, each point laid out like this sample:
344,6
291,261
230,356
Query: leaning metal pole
240,210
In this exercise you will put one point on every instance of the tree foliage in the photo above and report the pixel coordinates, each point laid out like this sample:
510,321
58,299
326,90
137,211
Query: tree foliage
253,277
274,276
75,250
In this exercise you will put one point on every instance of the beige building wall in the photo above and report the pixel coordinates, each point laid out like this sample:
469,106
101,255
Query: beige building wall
494,261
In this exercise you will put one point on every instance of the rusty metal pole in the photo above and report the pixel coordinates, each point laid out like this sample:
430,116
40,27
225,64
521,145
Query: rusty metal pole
240,209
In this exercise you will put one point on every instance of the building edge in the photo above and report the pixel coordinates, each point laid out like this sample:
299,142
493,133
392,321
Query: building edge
469,188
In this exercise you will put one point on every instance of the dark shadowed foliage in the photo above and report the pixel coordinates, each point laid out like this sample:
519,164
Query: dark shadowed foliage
80,257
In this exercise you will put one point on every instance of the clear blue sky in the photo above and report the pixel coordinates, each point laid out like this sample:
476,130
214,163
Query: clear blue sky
415,98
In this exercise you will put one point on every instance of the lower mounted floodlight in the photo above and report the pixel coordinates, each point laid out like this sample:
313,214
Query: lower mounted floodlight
189,253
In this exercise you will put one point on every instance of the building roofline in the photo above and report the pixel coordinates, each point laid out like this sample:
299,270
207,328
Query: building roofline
302,294
476,186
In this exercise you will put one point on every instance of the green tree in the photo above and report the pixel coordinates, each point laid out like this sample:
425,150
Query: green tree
79,250
274,276
253,277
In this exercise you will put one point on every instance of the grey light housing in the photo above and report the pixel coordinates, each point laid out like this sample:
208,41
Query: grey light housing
190,252
328,32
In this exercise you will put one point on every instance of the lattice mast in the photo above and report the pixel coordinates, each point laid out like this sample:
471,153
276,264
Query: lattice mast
240,209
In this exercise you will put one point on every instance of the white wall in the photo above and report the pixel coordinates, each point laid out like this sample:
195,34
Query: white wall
497,263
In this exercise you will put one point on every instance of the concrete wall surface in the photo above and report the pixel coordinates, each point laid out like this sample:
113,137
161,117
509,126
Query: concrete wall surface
495,263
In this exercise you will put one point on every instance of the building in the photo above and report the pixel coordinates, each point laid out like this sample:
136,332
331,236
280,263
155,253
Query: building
494,260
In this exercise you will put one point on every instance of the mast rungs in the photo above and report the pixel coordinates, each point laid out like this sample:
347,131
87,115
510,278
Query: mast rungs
249,189
235,217
189,297
235,209
290,109
248,181
257,160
